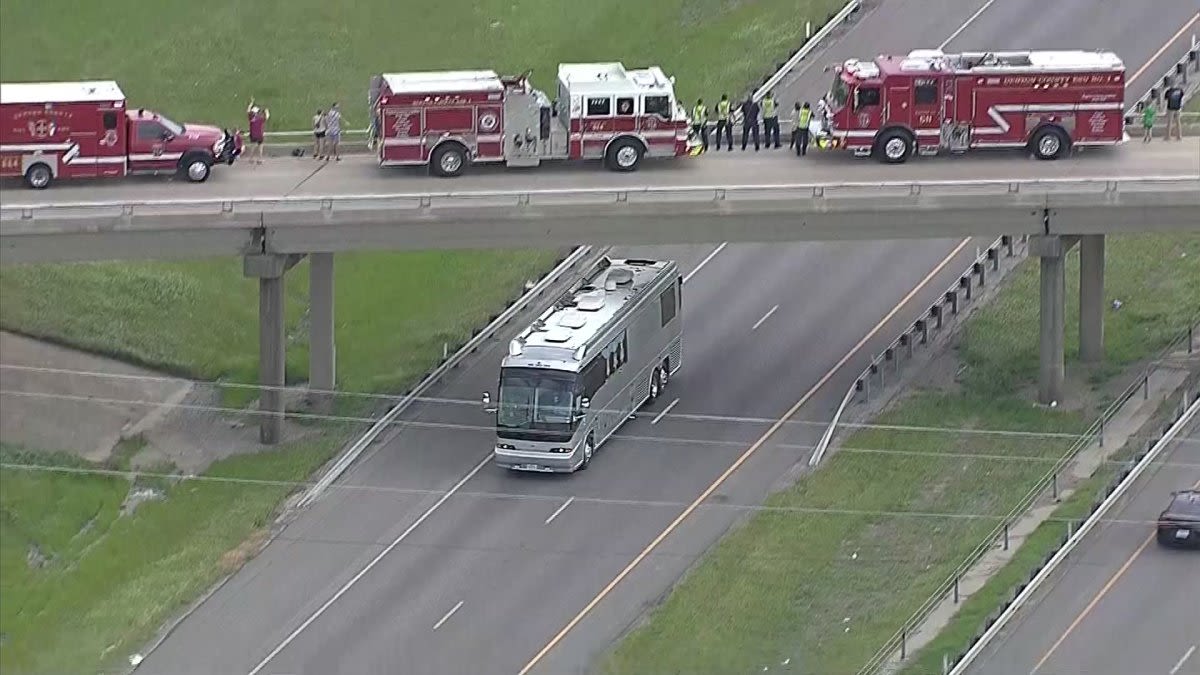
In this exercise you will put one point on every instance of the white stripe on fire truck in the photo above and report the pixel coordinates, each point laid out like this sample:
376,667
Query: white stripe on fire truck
36,147
80,161
71,153
151,157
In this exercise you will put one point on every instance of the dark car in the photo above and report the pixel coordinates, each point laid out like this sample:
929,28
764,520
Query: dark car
1179,523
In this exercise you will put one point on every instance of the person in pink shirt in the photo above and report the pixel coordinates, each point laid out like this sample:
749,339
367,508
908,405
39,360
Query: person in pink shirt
258,123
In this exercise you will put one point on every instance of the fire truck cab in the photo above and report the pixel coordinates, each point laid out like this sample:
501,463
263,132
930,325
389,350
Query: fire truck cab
929,103
64,130
450,120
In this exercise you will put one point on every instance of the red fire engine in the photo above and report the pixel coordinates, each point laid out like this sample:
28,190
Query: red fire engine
929,102
62,130
451,119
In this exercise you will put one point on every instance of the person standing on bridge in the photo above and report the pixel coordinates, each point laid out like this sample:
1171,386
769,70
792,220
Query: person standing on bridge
258,122
700,123
333,132
749,121
1149,113
723,125
1174,99
802,118
318,125
770,112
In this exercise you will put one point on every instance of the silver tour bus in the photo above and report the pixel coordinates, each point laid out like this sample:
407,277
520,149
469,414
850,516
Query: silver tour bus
586,364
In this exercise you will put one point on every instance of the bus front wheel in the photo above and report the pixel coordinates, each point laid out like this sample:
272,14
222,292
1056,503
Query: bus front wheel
589,449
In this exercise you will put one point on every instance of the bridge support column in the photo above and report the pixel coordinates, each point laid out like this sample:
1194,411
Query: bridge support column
269,269
1091,298
1053,254
322,351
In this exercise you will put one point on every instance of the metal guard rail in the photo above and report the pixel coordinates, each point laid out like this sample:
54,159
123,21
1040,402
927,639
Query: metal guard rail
891,353
1094,432
487,198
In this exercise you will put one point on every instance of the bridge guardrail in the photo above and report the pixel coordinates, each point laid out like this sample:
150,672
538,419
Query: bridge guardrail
229,207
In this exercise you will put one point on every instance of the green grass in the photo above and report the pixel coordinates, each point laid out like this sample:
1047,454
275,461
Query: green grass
202,61
393,311
1003,586
788,584
1193,105
110,580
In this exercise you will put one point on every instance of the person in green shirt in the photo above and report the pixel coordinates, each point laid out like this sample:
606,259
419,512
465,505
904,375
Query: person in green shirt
1148,114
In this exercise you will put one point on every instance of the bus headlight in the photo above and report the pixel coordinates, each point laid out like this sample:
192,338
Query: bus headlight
562,451
504,446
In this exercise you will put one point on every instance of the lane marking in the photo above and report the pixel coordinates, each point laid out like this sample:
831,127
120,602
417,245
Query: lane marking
449,614
349,584
665,410
704,262
560,510
1096,600
765,317
1166,45
1186,655
966,23
740,460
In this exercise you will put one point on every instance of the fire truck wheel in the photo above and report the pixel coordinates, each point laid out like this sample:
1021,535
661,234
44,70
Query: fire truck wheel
196,168
1049,143
894,146
624,154
448,160
38,176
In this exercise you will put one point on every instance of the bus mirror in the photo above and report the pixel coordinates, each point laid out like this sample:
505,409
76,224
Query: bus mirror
487,403
585,403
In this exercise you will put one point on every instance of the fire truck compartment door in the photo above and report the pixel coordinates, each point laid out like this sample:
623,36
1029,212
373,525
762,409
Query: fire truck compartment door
899,105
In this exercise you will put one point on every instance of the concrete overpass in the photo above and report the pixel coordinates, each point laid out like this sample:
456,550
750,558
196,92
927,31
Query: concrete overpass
274,222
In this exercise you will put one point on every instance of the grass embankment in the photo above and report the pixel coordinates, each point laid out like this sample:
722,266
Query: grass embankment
83,583
393,312
889,516
299,55
111,580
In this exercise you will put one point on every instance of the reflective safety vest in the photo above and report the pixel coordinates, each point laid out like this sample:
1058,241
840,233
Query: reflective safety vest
803,118
699,114
723,110
768,107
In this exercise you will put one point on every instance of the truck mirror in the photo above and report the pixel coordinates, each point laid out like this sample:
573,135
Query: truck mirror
585,403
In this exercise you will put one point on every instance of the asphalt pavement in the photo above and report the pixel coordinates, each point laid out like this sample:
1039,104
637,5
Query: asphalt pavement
482,580
1122,604
359,174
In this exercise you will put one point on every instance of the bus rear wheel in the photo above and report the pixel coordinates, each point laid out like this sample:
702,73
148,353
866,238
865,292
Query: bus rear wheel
656,381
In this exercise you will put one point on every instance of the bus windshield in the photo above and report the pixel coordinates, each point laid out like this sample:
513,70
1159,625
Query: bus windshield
838,93
535,404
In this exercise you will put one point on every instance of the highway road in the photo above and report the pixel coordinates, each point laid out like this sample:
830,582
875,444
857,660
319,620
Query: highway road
485,578
1121,604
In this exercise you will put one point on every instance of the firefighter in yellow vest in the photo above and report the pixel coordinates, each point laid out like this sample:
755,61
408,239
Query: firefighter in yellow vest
770,113
723,110
700,123
803,118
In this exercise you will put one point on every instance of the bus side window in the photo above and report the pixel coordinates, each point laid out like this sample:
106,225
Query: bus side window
666,302
593,376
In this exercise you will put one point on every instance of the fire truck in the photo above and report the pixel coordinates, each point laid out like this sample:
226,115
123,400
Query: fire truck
449,120
929,103
63,130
